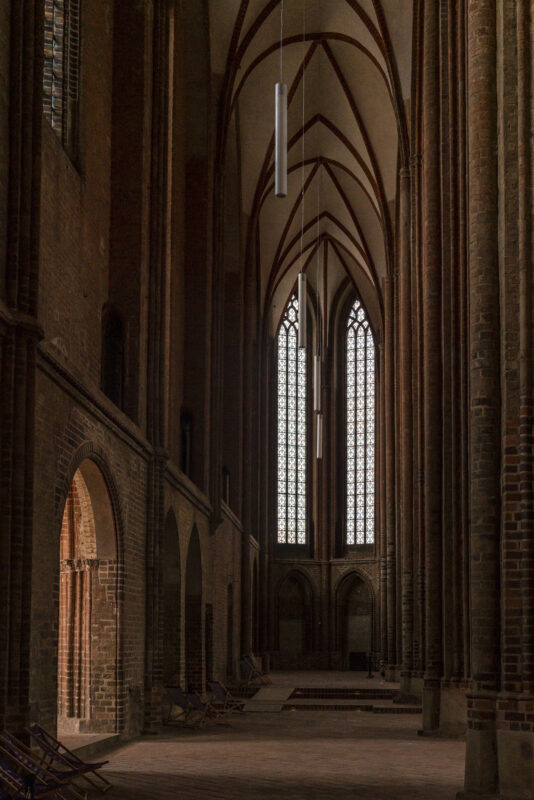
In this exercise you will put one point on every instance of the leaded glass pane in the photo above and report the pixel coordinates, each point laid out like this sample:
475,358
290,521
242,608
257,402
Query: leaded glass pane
360,433
291,430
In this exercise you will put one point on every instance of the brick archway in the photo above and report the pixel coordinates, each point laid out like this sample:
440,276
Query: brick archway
194,657
355,609
295,620
171,601
88,646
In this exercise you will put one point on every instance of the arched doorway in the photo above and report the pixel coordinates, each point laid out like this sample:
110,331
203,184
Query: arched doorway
295,624
194,667
88,607
171,601
355,621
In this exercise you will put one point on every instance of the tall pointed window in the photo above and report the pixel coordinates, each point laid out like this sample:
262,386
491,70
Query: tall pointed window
291,430
61,69
360,398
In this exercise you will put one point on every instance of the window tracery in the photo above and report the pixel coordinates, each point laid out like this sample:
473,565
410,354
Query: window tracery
292,427
360,428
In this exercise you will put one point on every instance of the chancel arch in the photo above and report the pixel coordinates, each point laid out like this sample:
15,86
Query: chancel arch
88,642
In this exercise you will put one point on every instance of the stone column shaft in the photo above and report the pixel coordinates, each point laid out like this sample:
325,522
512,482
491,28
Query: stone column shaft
406,433
525,35
432,366
390,469
382,507
485,432
463,304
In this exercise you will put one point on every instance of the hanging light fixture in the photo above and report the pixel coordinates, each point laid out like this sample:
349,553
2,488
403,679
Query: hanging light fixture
280,124
319,436
317,357
280,141
317,383
302,309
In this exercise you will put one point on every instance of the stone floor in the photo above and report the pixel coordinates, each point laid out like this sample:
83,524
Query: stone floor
292,755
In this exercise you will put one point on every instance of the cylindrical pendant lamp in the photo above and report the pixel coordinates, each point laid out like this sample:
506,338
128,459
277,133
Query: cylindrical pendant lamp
317,383
319,435
280,141
302,309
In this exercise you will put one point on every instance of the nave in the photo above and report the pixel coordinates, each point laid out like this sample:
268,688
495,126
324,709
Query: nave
293,755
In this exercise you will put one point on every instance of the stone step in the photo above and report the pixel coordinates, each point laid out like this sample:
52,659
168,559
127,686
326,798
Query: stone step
326,707
343,694
361,707
397,709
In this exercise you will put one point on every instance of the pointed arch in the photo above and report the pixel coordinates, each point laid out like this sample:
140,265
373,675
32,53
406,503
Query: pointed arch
360,431
356,619
88,689
292,431
295,605
172,591
194,657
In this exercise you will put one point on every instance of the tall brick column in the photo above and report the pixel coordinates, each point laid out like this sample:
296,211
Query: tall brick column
432,380
161,133
389,445
417,427
483,266
383,577
19,335
525,49
406,438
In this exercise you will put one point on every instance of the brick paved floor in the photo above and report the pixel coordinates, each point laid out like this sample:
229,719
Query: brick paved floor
313,755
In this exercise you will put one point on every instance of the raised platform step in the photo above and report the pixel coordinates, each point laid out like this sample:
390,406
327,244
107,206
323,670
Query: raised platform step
245,693
312,693
326,707
355,707
397,710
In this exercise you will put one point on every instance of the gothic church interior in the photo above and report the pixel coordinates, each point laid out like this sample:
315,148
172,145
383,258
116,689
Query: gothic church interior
298,426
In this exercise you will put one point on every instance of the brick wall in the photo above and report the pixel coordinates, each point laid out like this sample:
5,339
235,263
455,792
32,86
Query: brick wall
4,134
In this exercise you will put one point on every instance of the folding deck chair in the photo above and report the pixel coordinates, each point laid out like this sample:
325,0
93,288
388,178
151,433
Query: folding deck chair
250,673
55,754
223,696
195,711
17,785
29,762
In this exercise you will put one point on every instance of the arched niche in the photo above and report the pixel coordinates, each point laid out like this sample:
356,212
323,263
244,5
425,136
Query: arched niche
355,612
172,583
255,609
295,619
194,665
88,607
113,355
230,630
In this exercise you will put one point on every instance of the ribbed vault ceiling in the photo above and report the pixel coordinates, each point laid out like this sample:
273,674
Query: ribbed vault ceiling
347,64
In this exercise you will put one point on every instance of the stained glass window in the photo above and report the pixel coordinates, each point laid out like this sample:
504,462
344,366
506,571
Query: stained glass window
360,398
291,430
